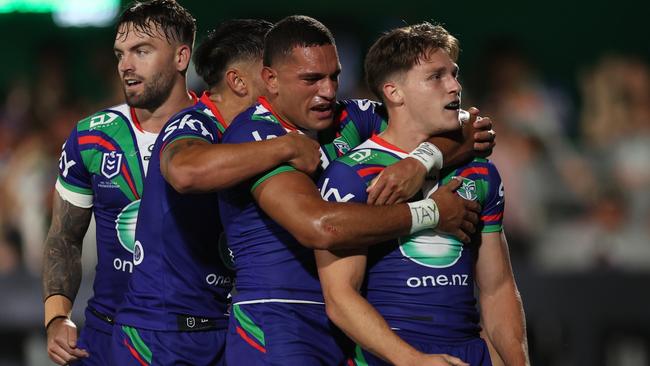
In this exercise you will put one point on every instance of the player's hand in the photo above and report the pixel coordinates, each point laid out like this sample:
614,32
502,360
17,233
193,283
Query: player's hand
440,360
397,183
476,138
62,342
458,216
483,134
305,152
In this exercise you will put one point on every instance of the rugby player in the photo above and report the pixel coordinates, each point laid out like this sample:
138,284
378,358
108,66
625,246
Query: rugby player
101,172
420,307
175,308
273,220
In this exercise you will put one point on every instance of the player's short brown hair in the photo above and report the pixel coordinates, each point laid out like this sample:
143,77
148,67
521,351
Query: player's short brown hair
400,49
151,17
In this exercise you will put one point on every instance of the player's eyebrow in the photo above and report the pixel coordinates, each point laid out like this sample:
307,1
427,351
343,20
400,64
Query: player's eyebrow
135,46
318,75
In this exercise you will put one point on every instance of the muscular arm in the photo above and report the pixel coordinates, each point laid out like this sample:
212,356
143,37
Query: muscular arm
341,275
62,254
292,200
62,277
501,307
193,165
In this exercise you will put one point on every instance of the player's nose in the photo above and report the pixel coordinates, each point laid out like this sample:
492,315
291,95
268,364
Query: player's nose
125,64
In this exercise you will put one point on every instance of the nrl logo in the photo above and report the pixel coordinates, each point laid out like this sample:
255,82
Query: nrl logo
191,322
111,164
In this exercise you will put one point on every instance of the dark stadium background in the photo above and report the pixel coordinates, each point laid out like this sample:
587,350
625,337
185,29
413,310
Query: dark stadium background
566,83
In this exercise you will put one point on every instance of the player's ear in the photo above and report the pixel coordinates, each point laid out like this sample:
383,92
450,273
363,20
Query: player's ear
392,93
270,79
183,57
235,82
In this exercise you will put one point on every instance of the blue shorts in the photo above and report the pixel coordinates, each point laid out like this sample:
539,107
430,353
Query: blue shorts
143,347
475,352
284,334
98,345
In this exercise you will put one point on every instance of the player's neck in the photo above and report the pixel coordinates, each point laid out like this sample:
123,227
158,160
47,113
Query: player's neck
229,104
277,110
403,132
152,120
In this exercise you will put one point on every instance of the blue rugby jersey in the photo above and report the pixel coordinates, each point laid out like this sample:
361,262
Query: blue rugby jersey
102,165
182,276
271,265
422,284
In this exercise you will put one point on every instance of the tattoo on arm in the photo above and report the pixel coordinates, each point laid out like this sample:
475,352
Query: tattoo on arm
62,254
174,148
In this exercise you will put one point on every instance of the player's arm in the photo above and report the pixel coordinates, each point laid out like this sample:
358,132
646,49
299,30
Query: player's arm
194,165
341,274
62,277
402,180
293,201
501,306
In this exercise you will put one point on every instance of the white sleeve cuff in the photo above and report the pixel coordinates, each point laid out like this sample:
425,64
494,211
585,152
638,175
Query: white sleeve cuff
77,199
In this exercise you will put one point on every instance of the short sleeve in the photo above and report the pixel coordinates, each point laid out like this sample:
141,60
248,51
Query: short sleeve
74,182
246,130
340,183
189,124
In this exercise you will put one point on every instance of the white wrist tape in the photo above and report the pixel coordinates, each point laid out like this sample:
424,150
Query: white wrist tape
429,155
463,116
424,215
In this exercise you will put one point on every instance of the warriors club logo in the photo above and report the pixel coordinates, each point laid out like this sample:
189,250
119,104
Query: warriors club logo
431,249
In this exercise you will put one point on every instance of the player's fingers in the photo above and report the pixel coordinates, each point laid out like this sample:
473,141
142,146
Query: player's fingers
374,189
394,198
472,206
484,136
385,194
56,359
483,123
62,353
484,149
471,217
72,337
473,115
454,183
69,354
455,361
462,236
468,227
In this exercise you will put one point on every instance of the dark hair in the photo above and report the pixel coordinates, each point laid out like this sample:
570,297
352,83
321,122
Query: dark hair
176,23
402,48
294,31
232,41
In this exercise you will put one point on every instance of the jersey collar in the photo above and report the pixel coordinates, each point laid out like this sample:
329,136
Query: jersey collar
385,144
136,121
263,101
205,99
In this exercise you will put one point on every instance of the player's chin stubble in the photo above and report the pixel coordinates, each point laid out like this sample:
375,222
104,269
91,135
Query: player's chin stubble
154,93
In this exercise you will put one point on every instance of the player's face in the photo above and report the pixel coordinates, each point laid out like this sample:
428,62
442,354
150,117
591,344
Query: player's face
307,84
146,66
431,92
